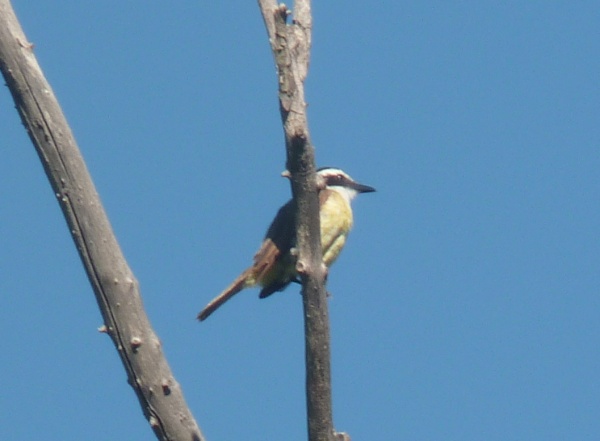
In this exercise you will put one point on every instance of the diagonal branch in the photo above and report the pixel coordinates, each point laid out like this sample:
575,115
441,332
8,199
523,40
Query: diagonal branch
116,289
291,49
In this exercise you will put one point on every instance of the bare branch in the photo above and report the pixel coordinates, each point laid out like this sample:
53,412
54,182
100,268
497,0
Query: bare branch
291,49
267,8
115,287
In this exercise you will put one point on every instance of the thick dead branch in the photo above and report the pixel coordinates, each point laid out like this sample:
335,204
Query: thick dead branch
291,48
115,287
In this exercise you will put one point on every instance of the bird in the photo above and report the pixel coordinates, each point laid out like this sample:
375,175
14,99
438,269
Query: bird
274,265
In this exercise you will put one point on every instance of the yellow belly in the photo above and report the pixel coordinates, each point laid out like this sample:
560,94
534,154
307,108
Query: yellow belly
336,222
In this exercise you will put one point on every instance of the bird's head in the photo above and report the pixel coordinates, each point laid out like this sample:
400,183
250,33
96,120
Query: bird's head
336,179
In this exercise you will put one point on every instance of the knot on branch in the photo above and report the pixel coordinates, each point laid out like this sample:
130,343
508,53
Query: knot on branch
302,268
166,386
282,12
135,343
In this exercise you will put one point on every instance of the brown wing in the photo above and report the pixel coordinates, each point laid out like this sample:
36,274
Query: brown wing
273,260
268,270
279,239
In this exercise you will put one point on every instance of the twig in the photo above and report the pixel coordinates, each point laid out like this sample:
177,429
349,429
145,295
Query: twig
115,287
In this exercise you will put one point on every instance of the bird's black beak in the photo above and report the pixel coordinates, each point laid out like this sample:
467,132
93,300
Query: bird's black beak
360,188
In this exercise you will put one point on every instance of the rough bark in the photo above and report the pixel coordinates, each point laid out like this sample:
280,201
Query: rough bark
116,289
291,48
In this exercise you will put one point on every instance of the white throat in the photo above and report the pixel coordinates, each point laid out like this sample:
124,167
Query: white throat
347,193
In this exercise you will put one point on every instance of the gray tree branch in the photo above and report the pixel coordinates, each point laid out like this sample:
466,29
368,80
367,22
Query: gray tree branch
116,289
291,48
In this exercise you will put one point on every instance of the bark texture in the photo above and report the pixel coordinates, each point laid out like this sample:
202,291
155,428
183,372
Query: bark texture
291,48
116,289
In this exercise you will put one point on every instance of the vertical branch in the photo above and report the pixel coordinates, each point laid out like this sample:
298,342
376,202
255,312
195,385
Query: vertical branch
291,48
116,289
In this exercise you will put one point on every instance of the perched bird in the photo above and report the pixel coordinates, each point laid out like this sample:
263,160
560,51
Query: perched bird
274,265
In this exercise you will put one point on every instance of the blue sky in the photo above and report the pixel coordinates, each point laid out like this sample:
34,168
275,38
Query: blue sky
465,305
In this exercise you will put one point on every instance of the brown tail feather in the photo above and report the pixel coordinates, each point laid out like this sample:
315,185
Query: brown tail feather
237,285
